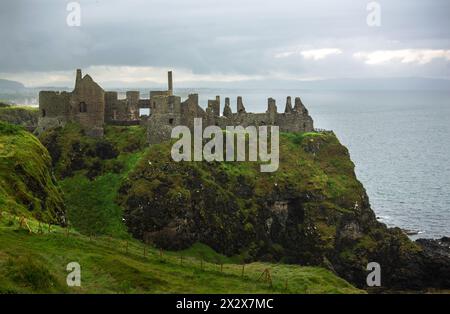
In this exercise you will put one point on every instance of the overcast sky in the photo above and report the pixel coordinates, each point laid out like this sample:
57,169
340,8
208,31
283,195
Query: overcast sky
137,41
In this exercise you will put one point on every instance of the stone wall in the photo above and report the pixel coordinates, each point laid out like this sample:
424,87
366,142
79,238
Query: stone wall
122,109
163,118
54,104
54,109
92,107
84,105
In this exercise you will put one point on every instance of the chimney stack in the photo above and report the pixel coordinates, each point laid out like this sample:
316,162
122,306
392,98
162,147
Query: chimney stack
78,78
227,109
170,82
288,105
240,105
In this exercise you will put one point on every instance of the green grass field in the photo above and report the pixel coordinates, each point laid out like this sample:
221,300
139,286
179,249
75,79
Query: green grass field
36,263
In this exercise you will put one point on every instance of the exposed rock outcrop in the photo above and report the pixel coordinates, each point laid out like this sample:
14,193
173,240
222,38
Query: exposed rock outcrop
312,211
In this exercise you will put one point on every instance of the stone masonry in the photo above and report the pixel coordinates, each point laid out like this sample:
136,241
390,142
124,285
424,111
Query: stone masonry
92,107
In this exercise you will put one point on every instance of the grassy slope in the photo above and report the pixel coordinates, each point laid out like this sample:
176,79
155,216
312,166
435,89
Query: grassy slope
36,263
27,186
91,205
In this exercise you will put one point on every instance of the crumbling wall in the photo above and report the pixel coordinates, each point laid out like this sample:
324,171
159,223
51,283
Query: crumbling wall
159,126
54,104
54,109
90,106
161,122
292,120
132,105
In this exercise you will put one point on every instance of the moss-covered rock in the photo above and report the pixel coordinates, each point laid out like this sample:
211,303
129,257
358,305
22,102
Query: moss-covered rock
312,211
24,116
72,151
27,186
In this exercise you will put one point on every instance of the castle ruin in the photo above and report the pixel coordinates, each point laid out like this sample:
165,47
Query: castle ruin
92,107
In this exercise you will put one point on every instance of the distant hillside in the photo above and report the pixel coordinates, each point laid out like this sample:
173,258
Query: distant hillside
10,86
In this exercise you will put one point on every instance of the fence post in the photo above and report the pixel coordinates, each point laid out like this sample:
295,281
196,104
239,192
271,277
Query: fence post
243,268
266,277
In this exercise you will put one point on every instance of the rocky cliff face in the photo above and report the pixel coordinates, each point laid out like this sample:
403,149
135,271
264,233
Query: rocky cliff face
312,211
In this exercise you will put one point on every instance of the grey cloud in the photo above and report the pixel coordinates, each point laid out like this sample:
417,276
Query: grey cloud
212,36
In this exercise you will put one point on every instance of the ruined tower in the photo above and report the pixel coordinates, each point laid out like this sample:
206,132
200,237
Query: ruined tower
271,110
240,105
227,109
85,105
288,108
299,107
78,77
